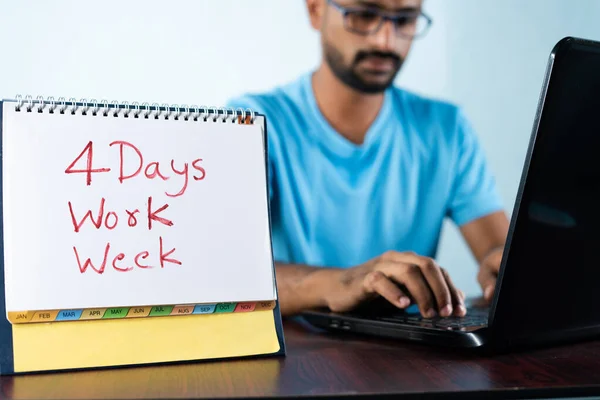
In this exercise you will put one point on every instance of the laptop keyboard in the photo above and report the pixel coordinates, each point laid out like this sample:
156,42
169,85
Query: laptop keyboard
476,317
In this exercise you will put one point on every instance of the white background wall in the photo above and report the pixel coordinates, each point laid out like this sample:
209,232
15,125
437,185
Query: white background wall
487,55
496,53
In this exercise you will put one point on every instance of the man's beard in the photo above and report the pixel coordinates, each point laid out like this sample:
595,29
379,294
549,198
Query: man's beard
350,77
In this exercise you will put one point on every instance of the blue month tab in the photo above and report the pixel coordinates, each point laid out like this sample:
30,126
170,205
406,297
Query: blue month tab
204,309
68,315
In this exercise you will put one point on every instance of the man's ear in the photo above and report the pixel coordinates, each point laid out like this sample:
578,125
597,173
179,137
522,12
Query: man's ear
316,9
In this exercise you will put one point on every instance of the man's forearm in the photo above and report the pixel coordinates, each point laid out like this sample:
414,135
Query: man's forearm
302,287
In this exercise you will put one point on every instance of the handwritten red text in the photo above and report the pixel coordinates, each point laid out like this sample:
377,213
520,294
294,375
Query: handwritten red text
164,258
129,154
133,164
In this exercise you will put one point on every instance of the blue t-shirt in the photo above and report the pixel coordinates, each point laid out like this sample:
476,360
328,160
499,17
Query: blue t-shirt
338,204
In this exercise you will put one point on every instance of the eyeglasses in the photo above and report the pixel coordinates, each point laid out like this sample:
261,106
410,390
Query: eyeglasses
367,21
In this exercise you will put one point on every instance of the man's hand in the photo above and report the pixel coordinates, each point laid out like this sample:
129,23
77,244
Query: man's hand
401,278
488,272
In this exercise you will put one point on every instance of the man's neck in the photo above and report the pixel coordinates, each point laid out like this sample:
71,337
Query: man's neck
349,112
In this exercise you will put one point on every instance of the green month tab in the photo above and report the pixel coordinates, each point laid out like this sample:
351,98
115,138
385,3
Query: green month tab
159,311
118,312
225,307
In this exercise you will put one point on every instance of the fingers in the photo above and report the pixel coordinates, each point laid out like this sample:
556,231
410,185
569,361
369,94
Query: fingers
439,286
378,282
445,296
458,297
429,285
410,275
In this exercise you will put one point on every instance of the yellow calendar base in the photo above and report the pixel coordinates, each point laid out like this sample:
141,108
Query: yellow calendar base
102,343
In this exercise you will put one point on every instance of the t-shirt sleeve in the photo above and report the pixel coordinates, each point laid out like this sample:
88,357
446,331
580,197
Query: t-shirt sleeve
473,193
250,103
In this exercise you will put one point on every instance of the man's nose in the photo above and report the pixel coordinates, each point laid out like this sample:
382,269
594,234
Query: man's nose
385,38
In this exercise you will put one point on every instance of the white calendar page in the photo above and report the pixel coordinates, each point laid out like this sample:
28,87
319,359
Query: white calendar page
103,211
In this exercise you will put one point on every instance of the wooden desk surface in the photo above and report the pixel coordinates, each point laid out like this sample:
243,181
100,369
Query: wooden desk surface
319,364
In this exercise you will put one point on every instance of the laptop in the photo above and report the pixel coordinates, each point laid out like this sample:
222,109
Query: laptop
548,288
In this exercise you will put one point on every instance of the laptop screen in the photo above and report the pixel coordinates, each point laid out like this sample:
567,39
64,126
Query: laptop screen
551,276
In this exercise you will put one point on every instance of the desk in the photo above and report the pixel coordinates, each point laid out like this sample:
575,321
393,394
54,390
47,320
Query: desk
319,364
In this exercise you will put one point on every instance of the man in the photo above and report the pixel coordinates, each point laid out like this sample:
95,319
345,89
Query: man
363,173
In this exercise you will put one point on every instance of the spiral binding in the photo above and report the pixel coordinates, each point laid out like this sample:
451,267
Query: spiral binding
134,110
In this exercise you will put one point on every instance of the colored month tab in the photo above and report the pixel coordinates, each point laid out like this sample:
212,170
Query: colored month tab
182,310
18,317
68,315
204,309
245,307
225,307
264,305
117,312
44,316
93,313
136,312
161,311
